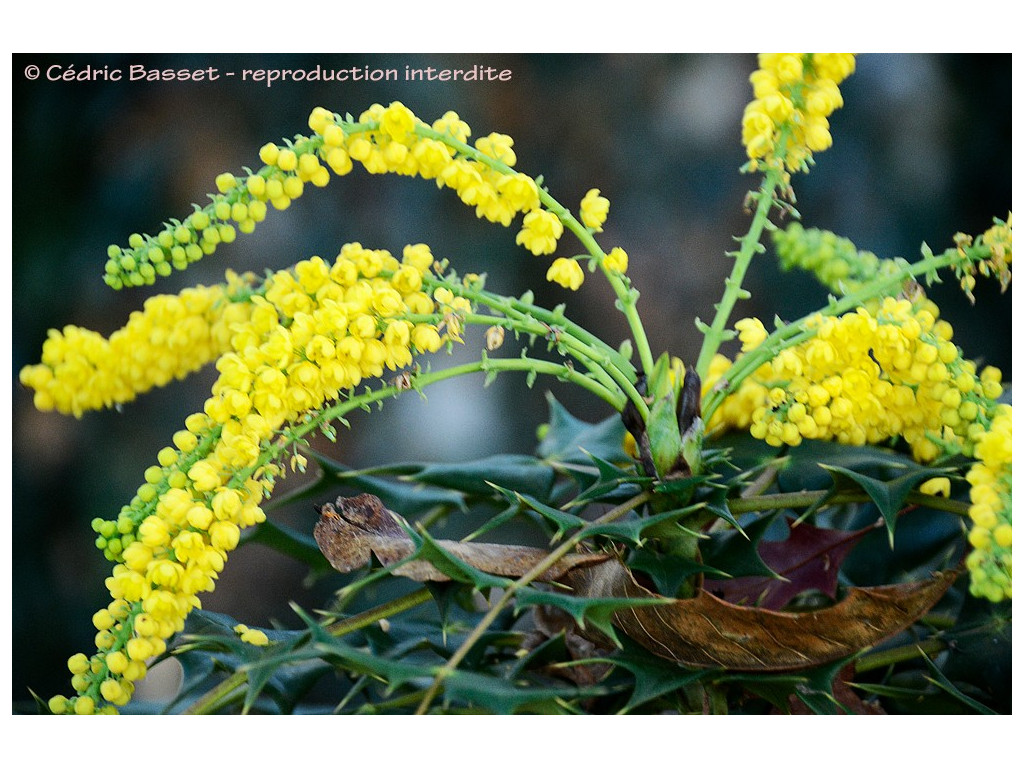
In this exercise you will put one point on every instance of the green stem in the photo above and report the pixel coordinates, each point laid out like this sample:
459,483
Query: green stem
716,334
624,294
581,340
890,656
596,363
489,618
800,499
217,696
373,615
421,380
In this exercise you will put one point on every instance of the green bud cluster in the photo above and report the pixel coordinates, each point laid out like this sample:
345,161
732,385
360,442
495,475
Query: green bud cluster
834,260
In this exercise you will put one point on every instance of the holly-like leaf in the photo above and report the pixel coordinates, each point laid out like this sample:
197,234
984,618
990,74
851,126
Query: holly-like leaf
809,559
889,495
571,439
591,612
705,631
521,473
299,546
736,553
413,499
349,530
563,521
653,676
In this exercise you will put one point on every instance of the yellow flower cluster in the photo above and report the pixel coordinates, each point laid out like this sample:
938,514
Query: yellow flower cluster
991,479
384,140
864,377
311,332
192,509
794,94
172,336
322,328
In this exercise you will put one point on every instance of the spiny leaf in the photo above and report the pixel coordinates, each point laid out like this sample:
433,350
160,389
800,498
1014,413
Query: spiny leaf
414,500
889,495
668,571
736,553
518,472
589,612
299,546
505,697
563,521
654,677
568,437
945,684
630,529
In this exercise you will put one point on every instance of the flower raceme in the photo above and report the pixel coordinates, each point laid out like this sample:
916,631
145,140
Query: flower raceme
865,377
872,375
383,140
794,94
287,348
172,336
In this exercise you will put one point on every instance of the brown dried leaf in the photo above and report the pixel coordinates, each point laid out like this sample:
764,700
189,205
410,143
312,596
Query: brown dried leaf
349,530
707,632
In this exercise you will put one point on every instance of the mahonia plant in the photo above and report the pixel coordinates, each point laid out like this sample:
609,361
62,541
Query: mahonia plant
298,349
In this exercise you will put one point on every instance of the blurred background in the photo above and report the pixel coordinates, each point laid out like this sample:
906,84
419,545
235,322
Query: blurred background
922,150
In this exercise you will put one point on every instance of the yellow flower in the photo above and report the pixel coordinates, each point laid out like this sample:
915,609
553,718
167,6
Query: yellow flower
566,272
937,486
752,332
616,261
594,211
540,232
251,636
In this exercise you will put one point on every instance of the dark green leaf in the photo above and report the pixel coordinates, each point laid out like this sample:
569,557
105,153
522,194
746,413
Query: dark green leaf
507,697
298,546
889,496
568,439
411,500
947,685
654,676
525,474
589,612
736,553
563,521
668,571
630,529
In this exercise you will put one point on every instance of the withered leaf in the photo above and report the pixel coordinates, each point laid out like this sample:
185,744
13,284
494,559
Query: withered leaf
705,631
349,530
